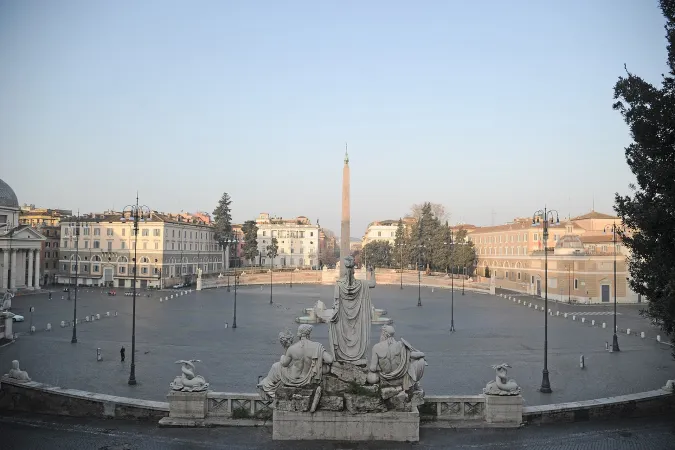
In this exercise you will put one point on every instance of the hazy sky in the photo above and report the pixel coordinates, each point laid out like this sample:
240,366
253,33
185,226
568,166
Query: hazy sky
484,106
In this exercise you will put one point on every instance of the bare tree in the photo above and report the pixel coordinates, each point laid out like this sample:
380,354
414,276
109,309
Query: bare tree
437,209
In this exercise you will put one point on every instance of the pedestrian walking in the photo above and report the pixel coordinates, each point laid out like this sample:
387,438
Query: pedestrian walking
122,354
50,295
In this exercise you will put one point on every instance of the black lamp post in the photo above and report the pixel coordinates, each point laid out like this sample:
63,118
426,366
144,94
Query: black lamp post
228,241
452,286
463,277
271,272
545,216
137,213
291,279
73,340
615,229
419,276
234,319
401,248
569,285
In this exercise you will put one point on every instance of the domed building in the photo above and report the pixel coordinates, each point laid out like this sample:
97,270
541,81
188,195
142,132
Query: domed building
569,244
20,246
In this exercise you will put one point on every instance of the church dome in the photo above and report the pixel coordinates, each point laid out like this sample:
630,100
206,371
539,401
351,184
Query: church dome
569,244
7,196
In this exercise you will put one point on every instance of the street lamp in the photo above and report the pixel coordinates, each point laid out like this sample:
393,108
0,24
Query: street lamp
419,276
401,248
569,285
227,242
615,230
234,319
73,340
137,213
463,277
271,272
547,216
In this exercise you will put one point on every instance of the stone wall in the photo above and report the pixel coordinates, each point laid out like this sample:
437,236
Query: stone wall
44,399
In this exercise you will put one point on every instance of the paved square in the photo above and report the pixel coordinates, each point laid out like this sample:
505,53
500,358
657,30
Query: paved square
489,330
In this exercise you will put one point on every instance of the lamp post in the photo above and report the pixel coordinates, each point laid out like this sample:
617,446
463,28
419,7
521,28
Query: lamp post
547,216
291,279
401,248
271,272
419,276
615,229
137,213
569,285
73,340
463,277
234,319
229,241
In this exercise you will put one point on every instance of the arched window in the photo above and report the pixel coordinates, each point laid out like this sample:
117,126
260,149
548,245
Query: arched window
145,260
95,258
122,259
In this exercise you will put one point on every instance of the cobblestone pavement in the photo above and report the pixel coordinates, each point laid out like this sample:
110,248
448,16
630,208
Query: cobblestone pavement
26,432
489,330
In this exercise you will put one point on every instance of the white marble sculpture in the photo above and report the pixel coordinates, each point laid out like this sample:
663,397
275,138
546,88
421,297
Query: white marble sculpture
7,301
303,362
188,381
268,386
501,385
670,386
17,374
349,328
395,363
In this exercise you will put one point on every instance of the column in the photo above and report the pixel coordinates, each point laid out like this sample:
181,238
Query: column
29,281
12,280
5,269
36,282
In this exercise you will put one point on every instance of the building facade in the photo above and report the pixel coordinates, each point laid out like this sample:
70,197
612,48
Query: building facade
581,257
20,246
47,222
297,241
169,249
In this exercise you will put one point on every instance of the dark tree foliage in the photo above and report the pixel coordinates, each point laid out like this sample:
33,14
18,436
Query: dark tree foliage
222,219
272,250
250,247
649,213
377,253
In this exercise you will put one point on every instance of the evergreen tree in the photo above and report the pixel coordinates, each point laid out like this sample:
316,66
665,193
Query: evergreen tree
272,250
400,258
250,247
649,112
222,222
378,253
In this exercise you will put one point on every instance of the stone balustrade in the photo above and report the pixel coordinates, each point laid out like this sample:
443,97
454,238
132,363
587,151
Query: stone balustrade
453,408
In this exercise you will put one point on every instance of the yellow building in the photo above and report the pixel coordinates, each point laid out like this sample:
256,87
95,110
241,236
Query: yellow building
581,257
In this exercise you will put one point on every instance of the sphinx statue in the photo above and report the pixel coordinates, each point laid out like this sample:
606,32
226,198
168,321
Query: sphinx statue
349,327
17,374
188,381
501,385
268,386
395,363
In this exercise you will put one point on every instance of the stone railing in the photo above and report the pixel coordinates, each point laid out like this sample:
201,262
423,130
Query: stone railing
237,406
453,408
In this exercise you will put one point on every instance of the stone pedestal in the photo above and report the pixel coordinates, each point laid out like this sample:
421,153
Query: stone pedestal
343,426
505,410
199,284
187,405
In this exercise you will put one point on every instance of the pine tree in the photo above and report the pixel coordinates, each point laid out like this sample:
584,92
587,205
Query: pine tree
250,247
649,214
400,256
272,250
222,222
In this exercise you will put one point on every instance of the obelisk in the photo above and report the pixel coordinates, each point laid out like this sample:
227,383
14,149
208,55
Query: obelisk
344,226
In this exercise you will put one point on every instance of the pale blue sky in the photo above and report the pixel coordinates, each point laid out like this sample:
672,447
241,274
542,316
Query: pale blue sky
479,105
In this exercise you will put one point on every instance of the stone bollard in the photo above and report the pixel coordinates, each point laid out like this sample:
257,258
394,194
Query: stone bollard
49,327
583,320
63,324
574,317
549,310
99,357
166,298
658,338
115,313
86,318
530,305
519,301
98,317
535,307
628,331
514,299
77,321
32,329
171,295
107,313
642,335
565,316
581,362
606,345
604,325
592,323
557,313
160,300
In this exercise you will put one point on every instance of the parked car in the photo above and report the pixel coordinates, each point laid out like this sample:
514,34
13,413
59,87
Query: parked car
178,286
18,318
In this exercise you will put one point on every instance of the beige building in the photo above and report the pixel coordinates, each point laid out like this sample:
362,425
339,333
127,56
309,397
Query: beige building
297,241
170,249
580,258
384,230
46,222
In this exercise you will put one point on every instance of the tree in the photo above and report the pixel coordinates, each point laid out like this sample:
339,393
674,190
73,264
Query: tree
222,222
401,246
378,253
649,112
437,210
250,247
272,250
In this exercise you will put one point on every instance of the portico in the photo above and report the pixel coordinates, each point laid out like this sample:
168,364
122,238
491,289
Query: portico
19,246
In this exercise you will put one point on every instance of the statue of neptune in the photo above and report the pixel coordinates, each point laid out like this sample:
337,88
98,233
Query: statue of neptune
349,328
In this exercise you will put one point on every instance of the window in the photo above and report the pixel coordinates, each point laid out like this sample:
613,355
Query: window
124,231
123,269
518,275
97,244
109,246
156,245
144,270
97,231
145,232
109,231
86,244
379,234
172,246
65,244
85,267
532,279
145,245
156,232
506,274
65,267
85,231
264,233
123,245
173,233
576,284
524,237
536,237
95,268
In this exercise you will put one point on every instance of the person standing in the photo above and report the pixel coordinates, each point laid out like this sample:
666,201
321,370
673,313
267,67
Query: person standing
122,354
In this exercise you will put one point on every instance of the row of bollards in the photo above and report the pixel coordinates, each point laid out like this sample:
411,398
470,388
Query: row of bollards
166,298
87,318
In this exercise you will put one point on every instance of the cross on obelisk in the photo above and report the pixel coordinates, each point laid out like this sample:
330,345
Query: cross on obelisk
344,227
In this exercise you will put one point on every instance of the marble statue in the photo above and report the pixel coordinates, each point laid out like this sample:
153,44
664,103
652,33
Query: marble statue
303,362
7,301
349,327
17,374
670,386
395,363
268,386
501,385
188,381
